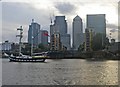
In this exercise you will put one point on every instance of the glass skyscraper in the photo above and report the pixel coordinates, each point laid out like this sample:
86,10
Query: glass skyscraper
97,22
77,32
60,26
34,31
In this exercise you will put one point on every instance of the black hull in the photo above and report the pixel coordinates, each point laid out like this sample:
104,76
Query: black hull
14,59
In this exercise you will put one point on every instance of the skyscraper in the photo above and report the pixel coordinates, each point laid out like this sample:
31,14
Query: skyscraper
65,40
60,26
97,22
34,32
77,32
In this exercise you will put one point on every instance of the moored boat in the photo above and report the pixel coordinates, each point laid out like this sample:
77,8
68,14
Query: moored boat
25,58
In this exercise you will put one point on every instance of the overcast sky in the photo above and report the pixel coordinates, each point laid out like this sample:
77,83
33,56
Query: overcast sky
20,12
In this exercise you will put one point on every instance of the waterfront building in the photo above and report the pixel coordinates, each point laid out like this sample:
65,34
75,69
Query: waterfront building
65,40
55,42
97,22
44,37
88,39
114,47
60,26
34,33
6,46
78,38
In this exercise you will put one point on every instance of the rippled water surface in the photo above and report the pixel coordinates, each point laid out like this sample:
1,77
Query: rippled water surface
60,72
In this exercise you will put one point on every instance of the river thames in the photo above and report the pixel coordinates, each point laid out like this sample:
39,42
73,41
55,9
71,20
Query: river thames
60,72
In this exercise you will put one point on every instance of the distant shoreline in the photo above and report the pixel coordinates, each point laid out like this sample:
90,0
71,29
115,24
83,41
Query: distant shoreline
93,55
90,59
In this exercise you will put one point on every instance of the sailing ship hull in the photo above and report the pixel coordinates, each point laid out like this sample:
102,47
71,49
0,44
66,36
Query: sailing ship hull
14,59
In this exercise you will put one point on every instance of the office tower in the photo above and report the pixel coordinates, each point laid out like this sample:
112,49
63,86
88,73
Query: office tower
97,22
34,34
77,32
44,37
52,29
60,26
65,40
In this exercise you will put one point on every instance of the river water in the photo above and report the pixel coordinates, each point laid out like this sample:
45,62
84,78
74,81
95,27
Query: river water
60,72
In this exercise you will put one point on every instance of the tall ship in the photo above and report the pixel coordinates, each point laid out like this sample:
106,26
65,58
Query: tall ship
34,57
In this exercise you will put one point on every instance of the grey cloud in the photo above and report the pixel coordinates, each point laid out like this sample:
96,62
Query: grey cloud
21,14
65,8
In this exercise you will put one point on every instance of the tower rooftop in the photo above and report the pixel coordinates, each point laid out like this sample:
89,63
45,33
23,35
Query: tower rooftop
77,18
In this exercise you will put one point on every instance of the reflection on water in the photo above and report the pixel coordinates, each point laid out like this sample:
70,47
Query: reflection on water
61,72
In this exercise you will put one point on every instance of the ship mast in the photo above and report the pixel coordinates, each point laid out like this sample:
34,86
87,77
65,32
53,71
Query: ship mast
32,39
20,37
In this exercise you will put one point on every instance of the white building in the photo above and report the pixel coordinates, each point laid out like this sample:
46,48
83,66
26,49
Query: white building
6,46
78,37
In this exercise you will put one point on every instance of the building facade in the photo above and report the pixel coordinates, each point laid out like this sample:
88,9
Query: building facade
77,32
6,46
65,40
60,26
44,37
55,42
88,39
114,47
97,22
34,34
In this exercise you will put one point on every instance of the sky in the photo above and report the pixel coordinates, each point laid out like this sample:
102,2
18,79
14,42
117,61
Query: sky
16,13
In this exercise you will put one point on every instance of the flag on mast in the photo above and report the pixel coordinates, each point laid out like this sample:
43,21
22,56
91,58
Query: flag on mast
45,34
